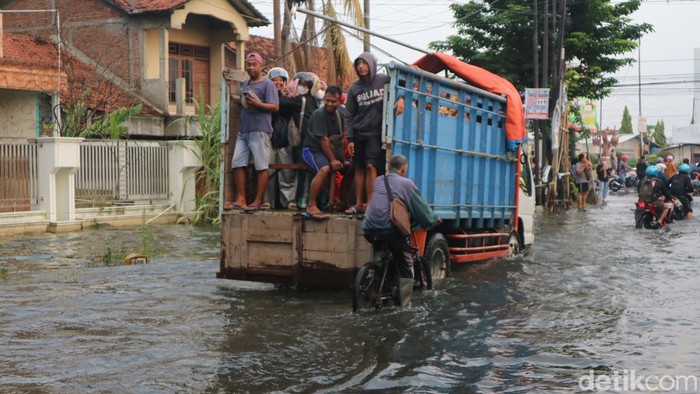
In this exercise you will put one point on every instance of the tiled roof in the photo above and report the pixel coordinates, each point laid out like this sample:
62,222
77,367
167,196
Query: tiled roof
244,7
28,50
32,64
266,48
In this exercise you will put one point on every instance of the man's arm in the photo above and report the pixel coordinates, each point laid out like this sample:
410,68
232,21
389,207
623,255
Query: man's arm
259,104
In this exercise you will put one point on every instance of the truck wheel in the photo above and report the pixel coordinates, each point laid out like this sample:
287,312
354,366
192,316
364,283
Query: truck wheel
438,256
514,244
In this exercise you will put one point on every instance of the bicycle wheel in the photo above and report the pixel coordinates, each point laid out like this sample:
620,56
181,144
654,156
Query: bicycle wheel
365,294
422,274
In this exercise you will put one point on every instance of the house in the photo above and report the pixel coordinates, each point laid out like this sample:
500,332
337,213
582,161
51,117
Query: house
163,53
29,80
627,144
683,151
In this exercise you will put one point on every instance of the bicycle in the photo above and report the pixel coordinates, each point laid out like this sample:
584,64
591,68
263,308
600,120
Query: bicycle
377,282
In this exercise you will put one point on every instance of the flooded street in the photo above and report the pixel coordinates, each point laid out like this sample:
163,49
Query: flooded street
593,294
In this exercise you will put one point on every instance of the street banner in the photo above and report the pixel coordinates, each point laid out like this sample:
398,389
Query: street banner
536,103
642,125
589,114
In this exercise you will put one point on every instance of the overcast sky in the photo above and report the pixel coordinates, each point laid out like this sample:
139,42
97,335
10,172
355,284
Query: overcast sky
666,54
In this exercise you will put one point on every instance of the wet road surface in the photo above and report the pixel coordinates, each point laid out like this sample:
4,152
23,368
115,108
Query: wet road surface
592,294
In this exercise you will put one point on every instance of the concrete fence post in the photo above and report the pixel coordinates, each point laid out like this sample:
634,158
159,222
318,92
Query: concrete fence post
58,159
183,162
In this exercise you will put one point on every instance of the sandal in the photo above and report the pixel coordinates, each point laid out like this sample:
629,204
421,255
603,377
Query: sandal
354,211
252,208
318,216
231,206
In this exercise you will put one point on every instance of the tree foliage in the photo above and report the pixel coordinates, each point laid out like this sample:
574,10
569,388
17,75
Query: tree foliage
626,124
658,133
498,35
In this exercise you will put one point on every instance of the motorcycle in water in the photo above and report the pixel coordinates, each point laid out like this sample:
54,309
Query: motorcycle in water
645,216
679,212
615,184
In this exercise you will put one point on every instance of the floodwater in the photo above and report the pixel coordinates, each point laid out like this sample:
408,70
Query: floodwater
594,296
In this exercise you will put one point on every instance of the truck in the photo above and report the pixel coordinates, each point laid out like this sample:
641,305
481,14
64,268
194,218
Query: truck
463,140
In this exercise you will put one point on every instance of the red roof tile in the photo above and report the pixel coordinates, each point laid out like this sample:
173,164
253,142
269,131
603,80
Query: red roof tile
33,62
149,5
28,50
141,6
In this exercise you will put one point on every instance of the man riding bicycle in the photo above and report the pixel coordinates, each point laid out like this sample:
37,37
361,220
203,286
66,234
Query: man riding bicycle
377,225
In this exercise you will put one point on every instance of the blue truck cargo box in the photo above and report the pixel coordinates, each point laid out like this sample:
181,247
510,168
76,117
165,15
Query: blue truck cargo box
454,138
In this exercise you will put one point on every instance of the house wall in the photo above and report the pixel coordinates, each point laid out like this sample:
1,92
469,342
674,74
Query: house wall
18,114
689,151
134,48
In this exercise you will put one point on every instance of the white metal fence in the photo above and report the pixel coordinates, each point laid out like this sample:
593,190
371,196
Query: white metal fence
122,171
18,174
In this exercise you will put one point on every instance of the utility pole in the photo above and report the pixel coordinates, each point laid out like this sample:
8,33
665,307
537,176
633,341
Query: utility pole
536,66
545,77
366,12
639,81
276,20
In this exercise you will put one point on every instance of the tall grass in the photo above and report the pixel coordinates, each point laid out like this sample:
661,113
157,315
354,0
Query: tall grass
207,178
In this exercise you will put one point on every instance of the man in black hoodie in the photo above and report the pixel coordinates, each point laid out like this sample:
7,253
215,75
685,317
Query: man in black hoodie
363,125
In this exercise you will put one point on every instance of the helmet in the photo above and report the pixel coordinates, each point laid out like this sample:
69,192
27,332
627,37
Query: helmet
669,158
661,167
684,169
278,72
306,79
625,157
652,171
659,160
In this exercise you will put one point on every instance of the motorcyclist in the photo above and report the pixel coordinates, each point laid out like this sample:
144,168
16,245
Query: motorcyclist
622,171
641,168
662,173
658,195
681,188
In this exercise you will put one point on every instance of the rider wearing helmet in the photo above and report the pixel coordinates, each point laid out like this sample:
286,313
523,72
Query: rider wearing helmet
681,188
662,173
654,190
622,171
671,167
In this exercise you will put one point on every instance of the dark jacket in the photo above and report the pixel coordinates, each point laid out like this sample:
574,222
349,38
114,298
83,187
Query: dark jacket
290,108
365,102
680,185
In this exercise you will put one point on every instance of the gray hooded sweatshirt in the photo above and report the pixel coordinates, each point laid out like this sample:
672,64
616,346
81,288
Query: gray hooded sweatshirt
365,102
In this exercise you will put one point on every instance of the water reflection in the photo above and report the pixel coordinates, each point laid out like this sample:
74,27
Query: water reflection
594,293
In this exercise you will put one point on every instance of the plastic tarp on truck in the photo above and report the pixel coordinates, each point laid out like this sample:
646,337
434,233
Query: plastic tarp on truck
454,138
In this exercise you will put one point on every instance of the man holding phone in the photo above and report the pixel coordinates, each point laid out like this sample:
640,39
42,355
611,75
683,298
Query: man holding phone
260,100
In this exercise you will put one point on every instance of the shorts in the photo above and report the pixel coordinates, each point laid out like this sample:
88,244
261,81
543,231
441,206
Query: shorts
661,205
256,143
582,187
368,150
315,160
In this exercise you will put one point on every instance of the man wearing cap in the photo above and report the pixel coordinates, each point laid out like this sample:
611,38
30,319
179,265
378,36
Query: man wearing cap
259,100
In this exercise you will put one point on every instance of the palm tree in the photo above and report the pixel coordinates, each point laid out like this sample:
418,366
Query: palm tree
339,64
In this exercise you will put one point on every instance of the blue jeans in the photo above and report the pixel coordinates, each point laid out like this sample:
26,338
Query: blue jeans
603,189
623,180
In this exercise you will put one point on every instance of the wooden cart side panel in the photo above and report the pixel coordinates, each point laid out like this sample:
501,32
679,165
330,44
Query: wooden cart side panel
231,241
284,248
269,241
